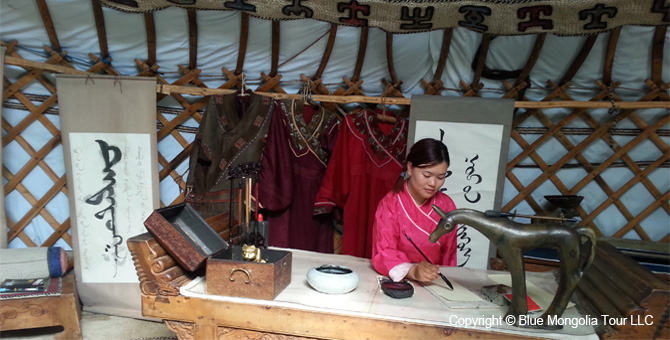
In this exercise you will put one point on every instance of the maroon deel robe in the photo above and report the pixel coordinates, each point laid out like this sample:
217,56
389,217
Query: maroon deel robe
294,162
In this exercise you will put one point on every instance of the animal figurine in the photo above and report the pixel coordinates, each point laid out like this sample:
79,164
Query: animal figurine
512,239
251,253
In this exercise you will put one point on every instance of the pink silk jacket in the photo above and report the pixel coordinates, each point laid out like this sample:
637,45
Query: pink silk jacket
398,214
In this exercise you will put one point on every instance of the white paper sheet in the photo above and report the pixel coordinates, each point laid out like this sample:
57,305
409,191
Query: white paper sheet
539,295
368,301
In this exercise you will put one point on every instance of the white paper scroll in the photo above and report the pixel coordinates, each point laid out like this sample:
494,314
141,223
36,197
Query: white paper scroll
476,132
472,178
111,178
108,126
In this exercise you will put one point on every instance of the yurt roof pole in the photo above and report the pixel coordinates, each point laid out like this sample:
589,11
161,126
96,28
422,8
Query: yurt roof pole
657,60
100,28
480,63
192,39
354,85
48,24
579,60
271,81
150,27
437,85
244,37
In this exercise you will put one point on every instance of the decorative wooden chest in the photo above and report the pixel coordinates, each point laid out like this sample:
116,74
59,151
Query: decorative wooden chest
228,274
185,235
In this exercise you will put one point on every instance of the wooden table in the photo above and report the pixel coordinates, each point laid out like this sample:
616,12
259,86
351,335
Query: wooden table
46,311
300,312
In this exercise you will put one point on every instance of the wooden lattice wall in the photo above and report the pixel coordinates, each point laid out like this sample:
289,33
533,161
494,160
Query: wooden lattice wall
170,122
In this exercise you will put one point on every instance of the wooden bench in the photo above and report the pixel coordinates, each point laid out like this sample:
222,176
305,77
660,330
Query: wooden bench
45,311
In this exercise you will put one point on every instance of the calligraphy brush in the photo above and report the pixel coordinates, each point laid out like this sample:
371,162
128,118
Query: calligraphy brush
444,278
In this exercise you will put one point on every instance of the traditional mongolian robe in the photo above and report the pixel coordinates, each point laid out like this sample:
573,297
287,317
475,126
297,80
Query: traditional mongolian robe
397,215
364,166
233,131
300,141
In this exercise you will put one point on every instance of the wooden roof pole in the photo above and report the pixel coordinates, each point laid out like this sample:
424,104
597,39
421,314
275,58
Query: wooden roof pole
362,47
389,57
48,24
315,82
354,85
444,53
532,59
657,61
275,48
102,62
244,37
522,81
151,38
564,83
437,85
392,87
482,51
657,54
271,81
579,60
609,56
329,50
235,79
100,28
192,39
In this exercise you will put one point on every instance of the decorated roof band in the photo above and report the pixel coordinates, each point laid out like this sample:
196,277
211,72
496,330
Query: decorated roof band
512,17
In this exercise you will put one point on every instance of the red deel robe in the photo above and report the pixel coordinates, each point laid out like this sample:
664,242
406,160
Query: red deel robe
363,167
398,214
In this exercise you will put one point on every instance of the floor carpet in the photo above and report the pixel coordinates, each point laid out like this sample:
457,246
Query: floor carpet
101,327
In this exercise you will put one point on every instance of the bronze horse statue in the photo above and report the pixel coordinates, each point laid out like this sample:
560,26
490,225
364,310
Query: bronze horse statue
512,239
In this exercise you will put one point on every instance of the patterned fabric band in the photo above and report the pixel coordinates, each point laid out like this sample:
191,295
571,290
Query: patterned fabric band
31,263
500,17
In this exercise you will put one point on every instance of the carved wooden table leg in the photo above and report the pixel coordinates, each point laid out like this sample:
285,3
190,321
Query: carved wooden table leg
205,330
183,330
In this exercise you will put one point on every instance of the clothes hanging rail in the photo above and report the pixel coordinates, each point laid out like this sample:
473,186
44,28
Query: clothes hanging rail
199,91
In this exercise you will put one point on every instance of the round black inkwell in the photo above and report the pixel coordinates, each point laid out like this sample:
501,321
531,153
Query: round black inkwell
333,269
332,279
397,290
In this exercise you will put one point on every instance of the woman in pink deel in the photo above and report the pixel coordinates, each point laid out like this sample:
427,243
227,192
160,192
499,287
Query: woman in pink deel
407,212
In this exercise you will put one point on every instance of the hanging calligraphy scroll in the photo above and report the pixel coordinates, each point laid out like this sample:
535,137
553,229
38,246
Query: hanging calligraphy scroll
108,126
510,17
476,131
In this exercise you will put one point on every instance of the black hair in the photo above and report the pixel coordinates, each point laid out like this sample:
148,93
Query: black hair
424,153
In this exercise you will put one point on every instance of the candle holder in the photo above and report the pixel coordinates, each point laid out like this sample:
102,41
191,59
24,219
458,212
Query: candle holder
566,204
245,177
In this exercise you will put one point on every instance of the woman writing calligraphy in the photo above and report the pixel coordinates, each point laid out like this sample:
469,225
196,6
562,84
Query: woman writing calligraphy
407,212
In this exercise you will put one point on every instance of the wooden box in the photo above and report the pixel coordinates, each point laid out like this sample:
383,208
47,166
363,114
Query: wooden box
185,235
228,274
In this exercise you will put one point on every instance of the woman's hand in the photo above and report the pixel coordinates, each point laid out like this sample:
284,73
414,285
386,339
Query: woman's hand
423,272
